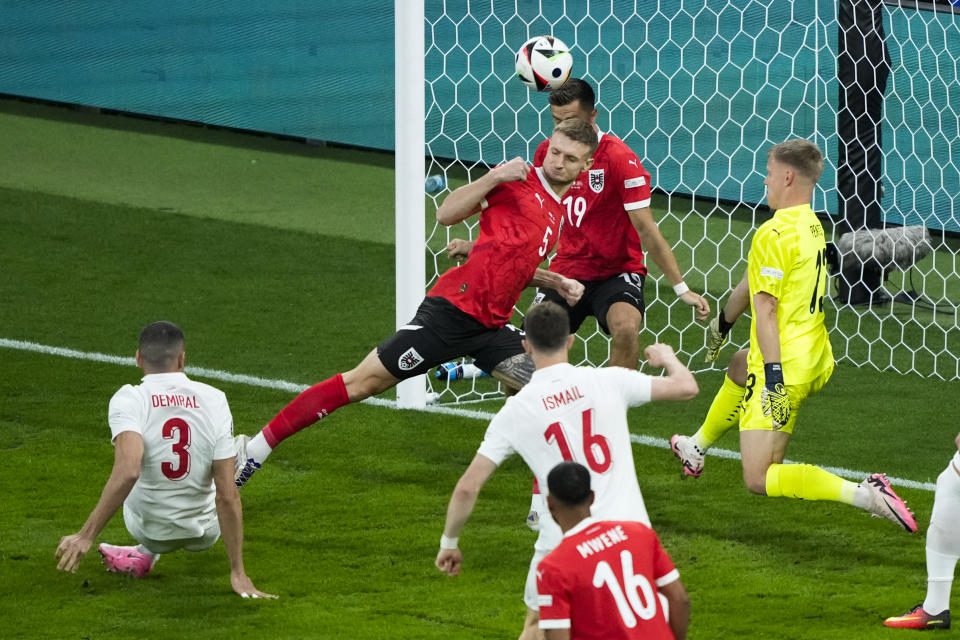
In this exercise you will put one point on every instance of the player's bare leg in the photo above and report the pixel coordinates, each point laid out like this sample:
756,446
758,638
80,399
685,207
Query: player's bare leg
760,449
531,626
624,321
515,371
368,378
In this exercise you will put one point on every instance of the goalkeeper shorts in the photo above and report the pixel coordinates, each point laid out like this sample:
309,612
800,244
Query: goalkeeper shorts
751,414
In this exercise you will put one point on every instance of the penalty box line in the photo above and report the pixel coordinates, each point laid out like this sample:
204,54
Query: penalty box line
292,387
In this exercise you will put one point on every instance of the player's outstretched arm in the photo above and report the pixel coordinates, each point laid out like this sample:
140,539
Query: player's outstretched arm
465,201
773,399
679,602
127,454
570,289
656,246
230,515
719,328
464,497
678,384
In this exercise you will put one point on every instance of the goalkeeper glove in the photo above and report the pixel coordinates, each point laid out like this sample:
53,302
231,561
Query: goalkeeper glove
718,331
773,398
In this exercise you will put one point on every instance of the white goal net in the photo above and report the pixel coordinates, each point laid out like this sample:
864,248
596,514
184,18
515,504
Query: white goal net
700,90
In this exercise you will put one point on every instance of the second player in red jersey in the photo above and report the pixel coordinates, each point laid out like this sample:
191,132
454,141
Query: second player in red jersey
607,579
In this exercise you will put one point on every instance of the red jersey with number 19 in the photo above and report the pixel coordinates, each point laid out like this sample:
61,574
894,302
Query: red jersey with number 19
519,225
602,582
599,240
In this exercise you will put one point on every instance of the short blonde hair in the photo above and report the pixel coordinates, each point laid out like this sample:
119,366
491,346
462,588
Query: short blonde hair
799,154
579,131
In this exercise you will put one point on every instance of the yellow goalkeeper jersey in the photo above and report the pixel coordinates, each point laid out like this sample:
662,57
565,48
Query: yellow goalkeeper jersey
787,260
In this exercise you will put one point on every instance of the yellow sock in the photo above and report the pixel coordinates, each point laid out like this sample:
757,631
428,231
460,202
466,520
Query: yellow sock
724,413
807,482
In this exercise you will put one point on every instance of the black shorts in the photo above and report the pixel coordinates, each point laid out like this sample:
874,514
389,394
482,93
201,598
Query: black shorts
598,295
440,332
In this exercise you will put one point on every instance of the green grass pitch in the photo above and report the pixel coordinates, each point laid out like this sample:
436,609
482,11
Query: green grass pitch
283,269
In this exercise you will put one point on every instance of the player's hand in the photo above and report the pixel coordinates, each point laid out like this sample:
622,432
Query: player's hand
449,561
715,339
699,304
571,290
512,171
659,354
71,550
458,249
773,398
244,588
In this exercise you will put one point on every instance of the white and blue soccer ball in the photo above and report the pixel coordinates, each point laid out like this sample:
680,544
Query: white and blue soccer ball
544,63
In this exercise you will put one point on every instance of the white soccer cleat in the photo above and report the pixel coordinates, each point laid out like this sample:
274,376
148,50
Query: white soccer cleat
689,453
245,466
887,504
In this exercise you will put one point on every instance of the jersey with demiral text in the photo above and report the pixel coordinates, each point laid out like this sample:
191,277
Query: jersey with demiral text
185,426
598,240
787,260
519,225
602,581
580,414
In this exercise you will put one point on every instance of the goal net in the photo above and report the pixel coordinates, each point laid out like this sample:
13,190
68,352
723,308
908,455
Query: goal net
700,90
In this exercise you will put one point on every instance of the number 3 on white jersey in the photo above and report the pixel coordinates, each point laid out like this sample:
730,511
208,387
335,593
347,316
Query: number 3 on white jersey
575,206
634,598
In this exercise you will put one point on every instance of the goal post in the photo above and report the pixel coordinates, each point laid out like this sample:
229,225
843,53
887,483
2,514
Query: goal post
409,176
699,89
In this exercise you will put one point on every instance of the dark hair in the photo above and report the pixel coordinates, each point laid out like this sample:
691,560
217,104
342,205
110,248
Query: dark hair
547,326
800,154
579,131
160,345
569,482
573,90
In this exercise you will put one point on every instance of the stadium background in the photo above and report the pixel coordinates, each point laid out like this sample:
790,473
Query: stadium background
292,67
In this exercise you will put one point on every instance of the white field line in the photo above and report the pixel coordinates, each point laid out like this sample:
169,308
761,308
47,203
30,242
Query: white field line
284,385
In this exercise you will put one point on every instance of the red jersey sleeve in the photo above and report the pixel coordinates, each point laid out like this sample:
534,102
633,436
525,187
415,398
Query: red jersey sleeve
633,181
664,572
553,596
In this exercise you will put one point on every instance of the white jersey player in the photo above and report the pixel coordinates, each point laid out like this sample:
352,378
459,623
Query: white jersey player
173,470
566,413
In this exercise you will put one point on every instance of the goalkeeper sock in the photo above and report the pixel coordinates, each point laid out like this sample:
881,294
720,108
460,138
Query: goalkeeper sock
724,413
315,403
804,481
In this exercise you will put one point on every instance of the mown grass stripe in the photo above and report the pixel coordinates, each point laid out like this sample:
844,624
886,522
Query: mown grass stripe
293,387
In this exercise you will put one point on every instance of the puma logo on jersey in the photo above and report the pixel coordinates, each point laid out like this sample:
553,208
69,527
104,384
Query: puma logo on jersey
539,199
633,162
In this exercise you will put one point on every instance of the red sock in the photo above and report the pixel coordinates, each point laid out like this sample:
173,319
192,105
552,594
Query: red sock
317,402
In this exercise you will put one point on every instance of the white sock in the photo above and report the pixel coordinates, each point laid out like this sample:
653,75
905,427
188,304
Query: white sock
258,449
862,498
943,541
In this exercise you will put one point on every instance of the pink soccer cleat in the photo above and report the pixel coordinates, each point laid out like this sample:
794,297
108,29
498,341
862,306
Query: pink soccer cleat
689,453
887,504
126,560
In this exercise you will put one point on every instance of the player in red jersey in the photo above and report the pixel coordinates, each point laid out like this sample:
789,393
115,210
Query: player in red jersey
606,579
467,310
608,227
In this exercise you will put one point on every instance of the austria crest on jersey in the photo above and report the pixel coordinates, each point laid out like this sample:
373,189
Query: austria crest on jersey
596,180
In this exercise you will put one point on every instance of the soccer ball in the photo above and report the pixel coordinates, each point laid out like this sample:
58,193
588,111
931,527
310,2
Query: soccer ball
544,63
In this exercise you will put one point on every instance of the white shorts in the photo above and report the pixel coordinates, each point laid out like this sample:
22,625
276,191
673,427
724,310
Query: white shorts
530,589
210,536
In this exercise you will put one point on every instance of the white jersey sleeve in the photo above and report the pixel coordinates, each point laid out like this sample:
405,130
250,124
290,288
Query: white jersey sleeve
127,412
496,444
634,387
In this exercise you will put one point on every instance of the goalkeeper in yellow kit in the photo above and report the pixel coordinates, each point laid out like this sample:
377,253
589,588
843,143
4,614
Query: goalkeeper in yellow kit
790,357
